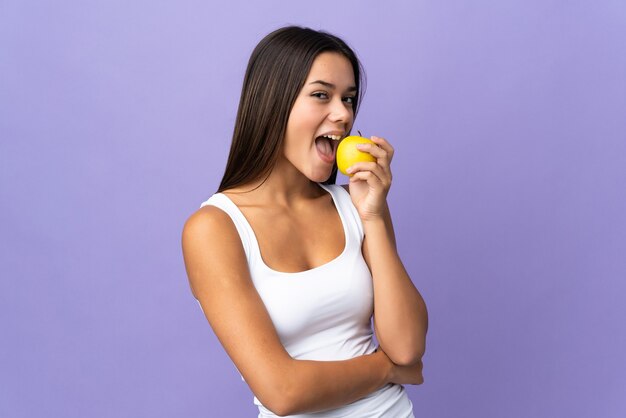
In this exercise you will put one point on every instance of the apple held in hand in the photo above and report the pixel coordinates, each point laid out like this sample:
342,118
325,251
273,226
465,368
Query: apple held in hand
348,154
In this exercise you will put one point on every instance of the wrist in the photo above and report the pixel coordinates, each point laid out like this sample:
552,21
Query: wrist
373,222
386,367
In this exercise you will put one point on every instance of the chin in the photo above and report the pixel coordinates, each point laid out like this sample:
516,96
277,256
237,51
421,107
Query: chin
320,176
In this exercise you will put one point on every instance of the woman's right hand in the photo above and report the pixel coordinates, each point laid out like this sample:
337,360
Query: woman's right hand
405,375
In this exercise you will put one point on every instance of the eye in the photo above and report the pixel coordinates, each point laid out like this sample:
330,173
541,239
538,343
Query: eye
348,99
320,94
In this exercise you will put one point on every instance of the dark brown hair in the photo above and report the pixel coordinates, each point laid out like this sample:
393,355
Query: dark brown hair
276,73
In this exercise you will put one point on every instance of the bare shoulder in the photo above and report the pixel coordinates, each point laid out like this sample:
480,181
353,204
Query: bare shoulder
209,234
208,219
220,280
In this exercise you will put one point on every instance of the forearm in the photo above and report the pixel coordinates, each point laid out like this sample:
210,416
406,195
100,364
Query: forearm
318,385
401,318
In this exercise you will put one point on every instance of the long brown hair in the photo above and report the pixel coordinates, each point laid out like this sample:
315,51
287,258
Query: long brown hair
276,73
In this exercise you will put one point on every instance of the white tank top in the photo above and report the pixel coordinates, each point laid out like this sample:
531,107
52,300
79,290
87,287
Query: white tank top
323,313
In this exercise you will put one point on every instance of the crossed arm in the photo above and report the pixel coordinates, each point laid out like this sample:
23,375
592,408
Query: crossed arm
400,314
220,281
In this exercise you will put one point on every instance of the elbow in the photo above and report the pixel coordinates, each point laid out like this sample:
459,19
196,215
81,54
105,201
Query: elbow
285,403
280,397
281,404
409,356
279,408
409,359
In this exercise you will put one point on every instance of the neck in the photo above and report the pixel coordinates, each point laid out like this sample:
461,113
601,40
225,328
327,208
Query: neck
285,186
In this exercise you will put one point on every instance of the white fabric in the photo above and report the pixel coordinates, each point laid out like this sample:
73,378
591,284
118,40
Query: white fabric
324,313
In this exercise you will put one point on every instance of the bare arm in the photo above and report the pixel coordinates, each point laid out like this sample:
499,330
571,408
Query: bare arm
400,314
219,278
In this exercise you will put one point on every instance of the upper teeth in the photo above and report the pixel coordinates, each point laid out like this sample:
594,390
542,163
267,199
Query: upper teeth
333,137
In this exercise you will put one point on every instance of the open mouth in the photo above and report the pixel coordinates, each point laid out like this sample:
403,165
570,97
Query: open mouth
326,148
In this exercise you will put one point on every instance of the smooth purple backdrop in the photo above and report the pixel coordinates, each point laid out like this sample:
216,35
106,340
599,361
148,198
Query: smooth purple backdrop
509,197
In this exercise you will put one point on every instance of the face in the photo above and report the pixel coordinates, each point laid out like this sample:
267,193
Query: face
324,105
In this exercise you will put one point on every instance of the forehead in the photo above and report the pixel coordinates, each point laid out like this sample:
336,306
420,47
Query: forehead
332,67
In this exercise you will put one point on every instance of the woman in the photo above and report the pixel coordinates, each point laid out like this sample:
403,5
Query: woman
289,267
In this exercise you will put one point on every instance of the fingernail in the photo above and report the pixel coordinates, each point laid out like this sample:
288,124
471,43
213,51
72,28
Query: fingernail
349,170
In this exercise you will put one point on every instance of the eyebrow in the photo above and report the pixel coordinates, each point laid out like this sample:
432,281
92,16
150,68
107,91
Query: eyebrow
331,86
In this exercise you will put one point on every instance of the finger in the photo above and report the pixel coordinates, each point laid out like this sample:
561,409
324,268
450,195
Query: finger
368,176
382,156
374,150
367,166
381,172
384,144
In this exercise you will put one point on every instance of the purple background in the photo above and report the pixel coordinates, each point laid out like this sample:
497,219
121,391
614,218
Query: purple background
509,197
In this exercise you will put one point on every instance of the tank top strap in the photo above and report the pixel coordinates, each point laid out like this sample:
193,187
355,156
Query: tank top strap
341,198
348,211
246,234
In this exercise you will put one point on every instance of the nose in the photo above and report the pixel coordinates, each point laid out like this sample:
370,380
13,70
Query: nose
340,111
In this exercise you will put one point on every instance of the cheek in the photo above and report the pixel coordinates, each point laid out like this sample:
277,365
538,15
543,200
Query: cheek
294,124
305,115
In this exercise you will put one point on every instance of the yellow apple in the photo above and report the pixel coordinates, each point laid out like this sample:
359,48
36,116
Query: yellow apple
348,154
